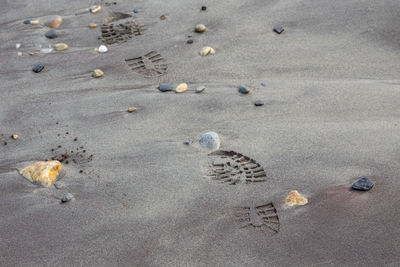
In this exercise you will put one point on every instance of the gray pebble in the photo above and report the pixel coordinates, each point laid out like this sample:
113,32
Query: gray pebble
27,21
164,87
190,41
364,184
58,185
263,84
135,10
243,89
188,141
38,68
210,140
68,197
200,89
279,29
51,34
258,103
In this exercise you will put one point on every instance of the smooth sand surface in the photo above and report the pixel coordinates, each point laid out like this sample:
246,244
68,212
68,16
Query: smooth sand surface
331,116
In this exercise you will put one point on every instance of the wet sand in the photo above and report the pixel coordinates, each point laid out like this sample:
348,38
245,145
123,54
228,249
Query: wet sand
330,116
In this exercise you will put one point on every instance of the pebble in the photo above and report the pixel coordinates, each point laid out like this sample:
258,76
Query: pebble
54,22
207,51
135,10
295,199
95,9
210,140
103,49
51,34
364,184
263,84
190,41
243,89
204,8
42,172
279,29
200,28
163,17
131,109
258,103
34,22
92,25
38,68
164,87
27,21
17,46
46,50
188,141
15,136
58,185
19,53
181,88
60,47
200,89
97,73
68,197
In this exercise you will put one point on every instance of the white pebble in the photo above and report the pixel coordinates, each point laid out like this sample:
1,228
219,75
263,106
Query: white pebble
17,46
103,49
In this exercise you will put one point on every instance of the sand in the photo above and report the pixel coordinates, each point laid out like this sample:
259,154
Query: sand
330,116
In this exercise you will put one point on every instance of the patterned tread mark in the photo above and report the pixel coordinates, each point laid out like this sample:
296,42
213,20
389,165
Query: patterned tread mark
263,217
233,168
150,65
119,33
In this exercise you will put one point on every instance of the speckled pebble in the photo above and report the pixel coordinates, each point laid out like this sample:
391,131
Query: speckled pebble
210,140
364,184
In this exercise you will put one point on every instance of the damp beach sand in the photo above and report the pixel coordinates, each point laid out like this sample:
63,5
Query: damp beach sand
139,196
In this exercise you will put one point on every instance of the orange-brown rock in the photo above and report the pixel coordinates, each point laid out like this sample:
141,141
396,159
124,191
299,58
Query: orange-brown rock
54,22
294,198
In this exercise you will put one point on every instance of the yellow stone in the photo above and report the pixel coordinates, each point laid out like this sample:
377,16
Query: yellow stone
295,199
95,9
92,25
97,73
207,51
43,172
200,28
54,22
15,136
131,109
34,22
60,47
181,88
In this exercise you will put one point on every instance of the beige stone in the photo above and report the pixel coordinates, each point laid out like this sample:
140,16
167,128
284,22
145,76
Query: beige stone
97,73
207,51
15,136
43,172
54,22
34,22
294,198
95,9
60,47
200,28
181,88
92,25
131,109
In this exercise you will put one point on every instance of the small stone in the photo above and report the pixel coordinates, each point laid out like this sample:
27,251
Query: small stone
46,50
38,68
60,47
204,8
19,53
278,29
15,136
68,197
58,185
54,22
210,140
258,103
295,199
181,88
190,41
17,46
97,73
188,141
34,22
32,53
207,51
263,84
164,87
92,25
42,172
364,184
51,34
243,89
95,9
27,21
200,28
200,89
163,17
131,109
103,49
135,10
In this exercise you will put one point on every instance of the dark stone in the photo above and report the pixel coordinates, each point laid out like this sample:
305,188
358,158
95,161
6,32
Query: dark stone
164,87
27,21
263,84
278,29
190,41
188,141
135,10
38,68
258,103
68,197
189,36
364,184
204,8
51,34
243,89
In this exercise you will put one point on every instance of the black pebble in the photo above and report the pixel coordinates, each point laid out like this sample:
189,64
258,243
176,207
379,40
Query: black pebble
51,34
165,87
38,68
27,21
364,184
278,29
190,41
204,8
258,103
